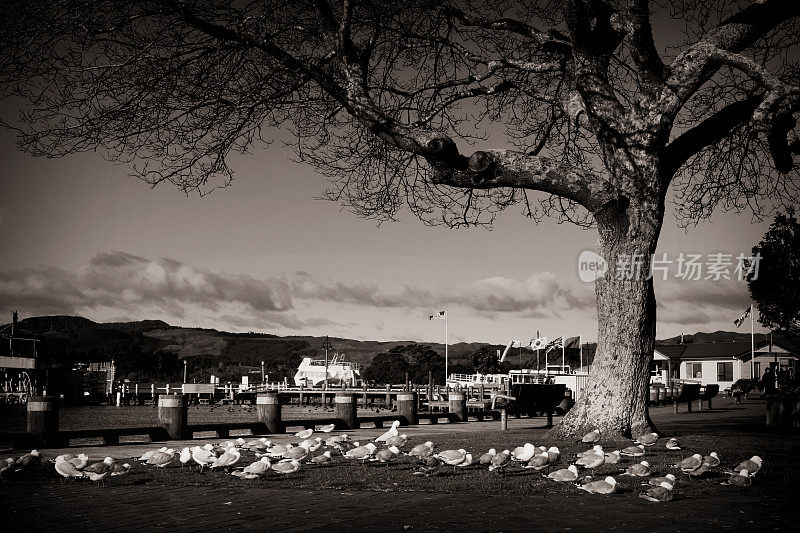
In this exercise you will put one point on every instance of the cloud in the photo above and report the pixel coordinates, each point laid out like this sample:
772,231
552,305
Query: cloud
700,302
121,284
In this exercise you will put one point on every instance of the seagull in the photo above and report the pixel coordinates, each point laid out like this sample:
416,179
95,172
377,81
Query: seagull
752,465
700,471
327,428
660,493
612,458
421,451
633,451
539,462
361,453
640,470
336,439
297,453
428,470
304,434
466,462
323,459
524,453
656,481
740,479
164,459
672,444
312,444
592,460
596,450
690,463
99,478
452,457
604,486
289,467
565,474
67,470
397,440
386,455
8,465
591,437
486,458
227,459
202,456
553,453
648,439
712,459
29,459
106,465
391,433
278,450
500,461
185,456
120,469
257,468
80,461
150,453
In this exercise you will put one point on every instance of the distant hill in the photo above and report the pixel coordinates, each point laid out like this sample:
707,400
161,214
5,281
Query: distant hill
153,349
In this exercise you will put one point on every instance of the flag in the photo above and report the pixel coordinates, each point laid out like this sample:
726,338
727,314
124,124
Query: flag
572,342
552,345
739,320
440,314
539,343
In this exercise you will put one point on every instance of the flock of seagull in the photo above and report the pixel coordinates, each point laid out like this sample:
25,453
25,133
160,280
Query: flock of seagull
286,459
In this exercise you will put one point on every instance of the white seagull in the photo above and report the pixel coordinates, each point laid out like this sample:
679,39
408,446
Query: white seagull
392,432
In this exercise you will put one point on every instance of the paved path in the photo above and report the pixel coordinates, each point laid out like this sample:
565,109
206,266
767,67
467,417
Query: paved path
271,505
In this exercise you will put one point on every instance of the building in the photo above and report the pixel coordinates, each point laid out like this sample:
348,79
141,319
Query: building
720,363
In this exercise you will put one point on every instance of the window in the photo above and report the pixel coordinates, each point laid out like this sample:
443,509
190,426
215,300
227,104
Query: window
724,371
757,369
695,370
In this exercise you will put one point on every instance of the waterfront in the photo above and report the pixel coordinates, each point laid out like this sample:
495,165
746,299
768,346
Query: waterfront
13,418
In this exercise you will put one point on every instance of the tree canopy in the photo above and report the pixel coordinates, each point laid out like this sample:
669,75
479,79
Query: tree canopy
775,285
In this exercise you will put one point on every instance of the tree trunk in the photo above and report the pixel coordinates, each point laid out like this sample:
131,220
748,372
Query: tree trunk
615,399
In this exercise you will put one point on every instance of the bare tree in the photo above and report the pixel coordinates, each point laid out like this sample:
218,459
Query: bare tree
593,121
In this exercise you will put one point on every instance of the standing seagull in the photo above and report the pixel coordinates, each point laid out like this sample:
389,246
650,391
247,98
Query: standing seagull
421,451
391,433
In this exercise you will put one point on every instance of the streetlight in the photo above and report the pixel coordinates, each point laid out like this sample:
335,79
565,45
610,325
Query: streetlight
263,376
184,370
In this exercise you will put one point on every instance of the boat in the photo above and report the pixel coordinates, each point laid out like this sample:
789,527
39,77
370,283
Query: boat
312,372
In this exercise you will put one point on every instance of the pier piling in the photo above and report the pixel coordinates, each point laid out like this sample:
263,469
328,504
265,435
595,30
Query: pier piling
43,420
268,407
172,416
407,407
346,409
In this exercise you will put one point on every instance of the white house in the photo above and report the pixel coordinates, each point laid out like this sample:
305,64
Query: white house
723,363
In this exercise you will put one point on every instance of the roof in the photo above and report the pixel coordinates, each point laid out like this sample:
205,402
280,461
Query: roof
672,351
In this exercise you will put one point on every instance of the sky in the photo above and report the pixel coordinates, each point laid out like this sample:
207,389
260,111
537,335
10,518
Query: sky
81,237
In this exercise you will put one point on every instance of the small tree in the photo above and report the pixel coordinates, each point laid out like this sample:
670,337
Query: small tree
579,114
484,359
776,288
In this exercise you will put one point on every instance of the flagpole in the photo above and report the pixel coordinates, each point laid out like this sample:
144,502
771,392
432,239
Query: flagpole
580,343
752,343
445,349
563,351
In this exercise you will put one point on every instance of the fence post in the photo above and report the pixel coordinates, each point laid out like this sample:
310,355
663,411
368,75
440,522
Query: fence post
458,405
268,408
172,416
388,396
407,407
43,420
346,409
